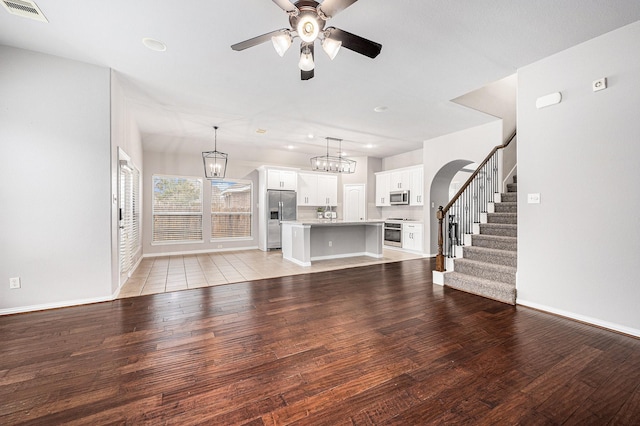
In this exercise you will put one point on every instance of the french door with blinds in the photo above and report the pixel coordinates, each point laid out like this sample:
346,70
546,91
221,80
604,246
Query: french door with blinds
129,242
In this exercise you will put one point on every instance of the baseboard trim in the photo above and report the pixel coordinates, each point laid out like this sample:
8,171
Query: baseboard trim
56,305
581,318
186,253
345,255
296,261
438,278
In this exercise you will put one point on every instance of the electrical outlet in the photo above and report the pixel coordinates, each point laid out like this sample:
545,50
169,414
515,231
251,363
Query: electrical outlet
14,282
330,243
599,84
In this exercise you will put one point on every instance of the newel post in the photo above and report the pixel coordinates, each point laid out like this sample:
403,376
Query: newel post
440,255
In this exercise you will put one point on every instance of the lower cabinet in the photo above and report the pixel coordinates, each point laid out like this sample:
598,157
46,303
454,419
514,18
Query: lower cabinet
412,236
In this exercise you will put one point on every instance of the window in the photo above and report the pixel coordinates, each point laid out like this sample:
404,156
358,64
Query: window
231,209
177,209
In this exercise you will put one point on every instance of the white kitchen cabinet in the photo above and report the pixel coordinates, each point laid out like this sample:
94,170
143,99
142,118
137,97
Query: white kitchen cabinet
317,190
327,190
285,180
416,186
307,189
400,180
412,236
382,189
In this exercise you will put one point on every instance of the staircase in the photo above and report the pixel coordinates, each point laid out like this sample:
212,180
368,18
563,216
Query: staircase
488,266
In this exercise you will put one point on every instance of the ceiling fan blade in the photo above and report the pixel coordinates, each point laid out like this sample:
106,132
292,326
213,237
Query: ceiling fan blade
286,5
332,7
256,40
356,43
307,75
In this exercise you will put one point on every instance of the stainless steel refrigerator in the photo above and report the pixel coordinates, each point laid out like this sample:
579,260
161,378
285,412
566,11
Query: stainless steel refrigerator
281,205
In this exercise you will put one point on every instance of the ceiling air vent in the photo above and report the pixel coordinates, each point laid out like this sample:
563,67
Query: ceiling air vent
24,8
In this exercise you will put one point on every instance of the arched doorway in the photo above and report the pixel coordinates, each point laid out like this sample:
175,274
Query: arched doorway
440,193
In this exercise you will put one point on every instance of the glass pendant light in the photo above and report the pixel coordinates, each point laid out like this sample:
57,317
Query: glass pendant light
282,42
306,60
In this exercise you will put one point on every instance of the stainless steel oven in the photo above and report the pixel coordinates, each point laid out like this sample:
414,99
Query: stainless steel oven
393,234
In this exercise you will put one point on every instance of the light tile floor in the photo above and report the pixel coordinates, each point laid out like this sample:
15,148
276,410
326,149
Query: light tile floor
172,273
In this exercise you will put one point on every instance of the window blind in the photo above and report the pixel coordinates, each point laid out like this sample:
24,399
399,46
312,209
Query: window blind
231,213
177,209
130,242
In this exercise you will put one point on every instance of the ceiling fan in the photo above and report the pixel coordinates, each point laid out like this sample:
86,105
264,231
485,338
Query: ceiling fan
307,19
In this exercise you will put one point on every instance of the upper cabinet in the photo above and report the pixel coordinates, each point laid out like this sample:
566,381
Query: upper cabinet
400,180
416,186
307,189
285,180
383,185
317,189
328,190
407,179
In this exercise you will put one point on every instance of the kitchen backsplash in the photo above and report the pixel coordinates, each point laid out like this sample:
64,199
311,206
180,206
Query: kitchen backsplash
305,212
406,212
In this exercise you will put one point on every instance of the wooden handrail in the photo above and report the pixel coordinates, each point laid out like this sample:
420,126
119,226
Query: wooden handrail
440,214
476,171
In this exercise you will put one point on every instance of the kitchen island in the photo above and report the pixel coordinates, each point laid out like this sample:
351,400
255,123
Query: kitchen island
305,241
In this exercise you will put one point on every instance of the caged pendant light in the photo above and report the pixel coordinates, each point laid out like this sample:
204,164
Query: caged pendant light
215,162
333,164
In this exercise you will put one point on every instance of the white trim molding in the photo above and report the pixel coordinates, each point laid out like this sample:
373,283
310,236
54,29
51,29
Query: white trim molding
582,318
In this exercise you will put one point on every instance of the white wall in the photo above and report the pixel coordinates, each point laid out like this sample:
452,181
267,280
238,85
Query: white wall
579,249
471,145
406,159
126,136
56,189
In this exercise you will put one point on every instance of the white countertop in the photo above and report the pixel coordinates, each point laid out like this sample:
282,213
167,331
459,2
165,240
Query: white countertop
332,222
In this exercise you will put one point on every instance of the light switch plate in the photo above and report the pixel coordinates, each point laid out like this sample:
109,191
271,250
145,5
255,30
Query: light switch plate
14,282
533,198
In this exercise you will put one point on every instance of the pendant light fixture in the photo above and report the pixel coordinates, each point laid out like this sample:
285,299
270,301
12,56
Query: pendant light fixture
306,59
215,162
331,163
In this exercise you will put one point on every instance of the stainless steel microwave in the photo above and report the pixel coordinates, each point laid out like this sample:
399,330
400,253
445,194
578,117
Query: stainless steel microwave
399,197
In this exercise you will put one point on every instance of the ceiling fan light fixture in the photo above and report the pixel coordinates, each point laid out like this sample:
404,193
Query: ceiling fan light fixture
282,42
331,47
306,60
308,28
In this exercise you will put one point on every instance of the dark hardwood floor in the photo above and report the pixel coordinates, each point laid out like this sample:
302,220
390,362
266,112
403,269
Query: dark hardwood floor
371,345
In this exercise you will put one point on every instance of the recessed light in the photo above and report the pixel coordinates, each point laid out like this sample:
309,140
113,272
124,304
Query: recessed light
310,135
154,44
290,146
261,131
369,145
381,108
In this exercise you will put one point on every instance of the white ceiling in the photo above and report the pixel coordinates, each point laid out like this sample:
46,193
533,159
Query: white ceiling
432,52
